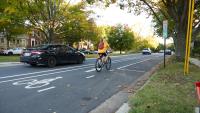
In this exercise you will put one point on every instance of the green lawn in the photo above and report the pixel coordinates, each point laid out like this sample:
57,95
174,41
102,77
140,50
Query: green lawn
9,58
168,91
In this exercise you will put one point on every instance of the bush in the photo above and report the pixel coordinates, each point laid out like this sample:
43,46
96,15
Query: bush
196,51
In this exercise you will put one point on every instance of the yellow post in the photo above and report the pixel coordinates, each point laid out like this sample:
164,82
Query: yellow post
189,36
186,45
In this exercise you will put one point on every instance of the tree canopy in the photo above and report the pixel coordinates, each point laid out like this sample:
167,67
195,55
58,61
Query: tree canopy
120,38
11,20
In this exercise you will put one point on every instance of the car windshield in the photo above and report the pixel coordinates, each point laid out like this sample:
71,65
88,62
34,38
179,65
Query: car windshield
145,49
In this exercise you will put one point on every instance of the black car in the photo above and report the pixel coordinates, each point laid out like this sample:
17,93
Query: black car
168,52
51,55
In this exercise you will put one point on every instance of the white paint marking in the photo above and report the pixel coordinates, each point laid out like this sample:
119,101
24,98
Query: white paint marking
46,89
42,75
45,71
132,70
90,70
90,76
85,66
116,61
111,70
133,63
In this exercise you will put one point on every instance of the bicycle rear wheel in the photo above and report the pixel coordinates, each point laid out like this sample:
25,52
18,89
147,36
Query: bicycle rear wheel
108,63
98,65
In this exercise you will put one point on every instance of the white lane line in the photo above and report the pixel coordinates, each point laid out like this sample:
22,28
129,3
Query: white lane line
90,70
11,76
133,64
132,70
46,89
44,71
42,75
57,72
90,76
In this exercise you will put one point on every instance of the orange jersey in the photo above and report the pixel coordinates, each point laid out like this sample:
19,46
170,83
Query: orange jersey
105,48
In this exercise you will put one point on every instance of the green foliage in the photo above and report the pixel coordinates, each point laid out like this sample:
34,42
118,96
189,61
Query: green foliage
77,26
196,51
11,20
120,38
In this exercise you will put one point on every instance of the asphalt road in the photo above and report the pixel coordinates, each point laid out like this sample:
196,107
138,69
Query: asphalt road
71,88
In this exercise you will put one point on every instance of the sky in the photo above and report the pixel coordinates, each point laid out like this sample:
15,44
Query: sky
113,15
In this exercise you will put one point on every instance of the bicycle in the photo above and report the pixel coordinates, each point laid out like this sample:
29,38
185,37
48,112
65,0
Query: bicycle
100,63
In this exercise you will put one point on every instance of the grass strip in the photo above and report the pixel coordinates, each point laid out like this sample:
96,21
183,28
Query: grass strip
167,91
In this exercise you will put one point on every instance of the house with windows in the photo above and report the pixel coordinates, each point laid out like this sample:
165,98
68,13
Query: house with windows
31,39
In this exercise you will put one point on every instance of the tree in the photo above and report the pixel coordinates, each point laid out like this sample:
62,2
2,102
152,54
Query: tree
11,21
78,26
120,38
176,11
44,15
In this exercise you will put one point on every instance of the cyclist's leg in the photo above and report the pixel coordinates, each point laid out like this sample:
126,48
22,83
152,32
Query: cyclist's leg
106,55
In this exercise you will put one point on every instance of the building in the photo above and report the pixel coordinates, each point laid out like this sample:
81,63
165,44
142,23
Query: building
24,41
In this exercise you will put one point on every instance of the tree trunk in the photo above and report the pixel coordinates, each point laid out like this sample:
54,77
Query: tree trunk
50,36
180,42
120,51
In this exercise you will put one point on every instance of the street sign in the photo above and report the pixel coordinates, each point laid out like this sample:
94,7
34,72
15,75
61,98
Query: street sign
165,24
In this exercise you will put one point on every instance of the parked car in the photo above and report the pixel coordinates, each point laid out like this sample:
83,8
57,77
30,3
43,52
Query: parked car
51,55
14,51
168,52
161,51
146,51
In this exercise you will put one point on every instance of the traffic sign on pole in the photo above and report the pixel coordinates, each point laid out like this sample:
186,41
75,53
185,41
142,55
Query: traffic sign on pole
165,24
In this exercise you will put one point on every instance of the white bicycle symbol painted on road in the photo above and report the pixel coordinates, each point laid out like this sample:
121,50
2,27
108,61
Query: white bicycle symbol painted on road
34,83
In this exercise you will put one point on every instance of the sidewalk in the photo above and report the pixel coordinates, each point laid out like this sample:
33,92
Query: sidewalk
195,61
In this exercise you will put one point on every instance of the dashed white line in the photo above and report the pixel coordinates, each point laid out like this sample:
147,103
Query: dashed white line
133,64
90,70
43,75
44,71
90,76
132,70
46,89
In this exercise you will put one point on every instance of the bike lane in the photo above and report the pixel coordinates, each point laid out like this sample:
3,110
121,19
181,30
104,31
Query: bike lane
74,91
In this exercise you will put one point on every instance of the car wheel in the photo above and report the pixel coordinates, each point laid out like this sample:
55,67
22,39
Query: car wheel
80,61
10,53
51,62
33,65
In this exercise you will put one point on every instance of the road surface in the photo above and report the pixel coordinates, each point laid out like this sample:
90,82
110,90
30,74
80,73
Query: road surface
71,88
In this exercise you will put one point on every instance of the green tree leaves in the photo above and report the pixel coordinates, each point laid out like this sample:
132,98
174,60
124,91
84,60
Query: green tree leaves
120,38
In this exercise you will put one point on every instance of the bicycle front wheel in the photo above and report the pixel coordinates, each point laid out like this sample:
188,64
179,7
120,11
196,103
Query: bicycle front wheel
108,63
98,65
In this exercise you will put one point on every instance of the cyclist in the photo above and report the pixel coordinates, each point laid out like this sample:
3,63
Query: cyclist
103,48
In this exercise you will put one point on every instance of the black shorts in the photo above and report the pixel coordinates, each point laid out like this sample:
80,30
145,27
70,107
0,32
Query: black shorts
102,54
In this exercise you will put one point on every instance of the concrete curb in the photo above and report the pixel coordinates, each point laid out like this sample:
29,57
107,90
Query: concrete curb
116,103
7,64
3,63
